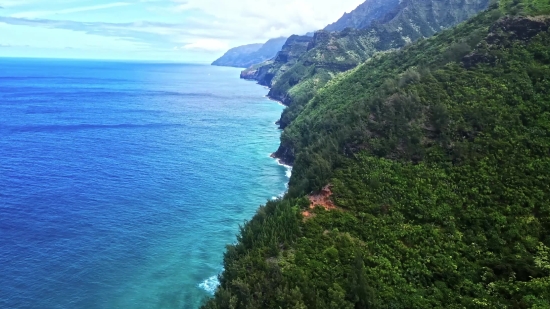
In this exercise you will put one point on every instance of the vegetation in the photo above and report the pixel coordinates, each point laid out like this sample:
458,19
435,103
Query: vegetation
393,25
439,161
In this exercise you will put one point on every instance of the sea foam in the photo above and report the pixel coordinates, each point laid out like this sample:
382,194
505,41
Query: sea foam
288,168
210,285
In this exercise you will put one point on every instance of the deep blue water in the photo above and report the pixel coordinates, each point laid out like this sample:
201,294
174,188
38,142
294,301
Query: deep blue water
121,183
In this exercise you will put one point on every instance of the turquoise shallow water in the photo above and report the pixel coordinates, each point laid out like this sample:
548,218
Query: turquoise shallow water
121,183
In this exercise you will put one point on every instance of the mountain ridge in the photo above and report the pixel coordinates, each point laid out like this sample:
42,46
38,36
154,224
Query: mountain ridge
247,55
363,16
331,53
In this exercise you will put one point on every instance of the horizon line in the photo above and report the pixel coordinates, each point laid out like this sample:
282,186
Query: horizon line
108,60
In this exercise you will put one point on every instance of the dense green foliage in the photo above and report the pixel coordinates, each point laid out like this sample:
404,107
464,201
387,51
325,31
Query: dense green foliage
439,160
346,106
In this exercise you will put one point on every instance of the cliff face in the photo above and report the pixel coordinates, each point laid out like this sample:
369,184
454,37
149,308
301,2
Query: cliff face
364,15
245,56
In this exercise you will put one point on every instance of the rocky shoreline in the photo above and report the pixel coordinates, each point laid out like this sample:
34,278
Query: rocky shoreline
284,155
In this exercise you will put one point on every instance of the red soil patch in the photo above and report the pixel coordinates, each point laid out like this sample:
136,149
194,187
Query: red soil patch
322,199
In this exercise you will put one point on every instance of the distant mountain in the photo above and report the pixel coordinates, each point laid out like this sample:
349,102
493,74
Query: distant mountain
291,51
247,55
363,16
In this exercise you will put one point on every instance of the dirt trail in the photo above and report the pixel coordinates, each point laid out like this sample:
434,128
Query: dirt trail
322,199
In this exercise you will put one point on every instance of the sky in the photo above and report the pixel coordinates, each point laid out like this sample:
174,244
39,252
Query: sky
155,30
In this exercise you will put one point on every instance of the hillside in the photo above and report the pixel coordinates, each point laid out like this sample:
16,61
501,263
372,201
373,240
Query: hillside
247,55
364,15
434,167
336,52
265,72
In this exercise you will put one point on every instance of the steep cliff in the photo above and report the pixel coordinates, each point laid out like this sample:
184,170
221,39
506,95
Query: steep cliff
364,15
247,55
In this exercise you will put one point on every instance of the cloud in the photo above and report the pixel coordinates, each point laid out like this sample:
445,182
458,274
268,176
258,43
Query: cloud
6,4
201,26
270,18
209,45
156,35
123,30
35,14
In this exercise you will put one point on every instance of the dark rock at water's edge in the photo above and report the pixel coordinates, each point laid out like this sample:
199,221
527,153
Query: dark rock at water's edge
285,155
247,55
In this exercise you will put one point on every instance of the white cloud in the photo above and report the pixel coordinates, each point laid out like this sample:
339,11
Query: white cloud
210,45
12,3
263,19
204,27
36,14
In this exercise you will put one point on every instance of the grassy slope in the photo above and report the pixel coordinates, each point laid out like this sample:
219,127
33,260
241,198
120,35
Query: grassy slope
440,166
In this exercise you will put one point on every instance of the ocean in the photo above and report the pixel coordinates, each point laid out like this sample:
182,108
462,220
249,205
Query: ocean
121,183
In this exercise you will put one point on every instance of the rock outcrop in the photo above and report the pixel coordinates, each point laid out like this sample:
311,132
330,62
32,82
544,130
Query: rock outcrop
364,15
502,33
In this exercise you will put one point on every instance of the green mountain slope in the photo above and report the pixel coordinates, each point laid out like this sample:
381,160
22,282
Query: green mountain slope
438,162
336,52
247,55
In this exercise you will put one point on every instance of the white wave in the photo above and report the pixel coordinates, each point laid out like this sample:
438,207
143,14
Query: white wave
210,285
288,172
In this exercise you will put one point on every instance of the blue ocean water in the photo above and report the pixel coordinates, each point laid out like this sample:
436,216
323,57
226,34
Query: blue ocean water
121,183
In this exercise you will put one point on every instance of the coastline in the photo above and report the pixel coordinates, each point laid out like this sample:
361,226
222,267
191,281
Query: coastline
211,284
273,99
280,160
